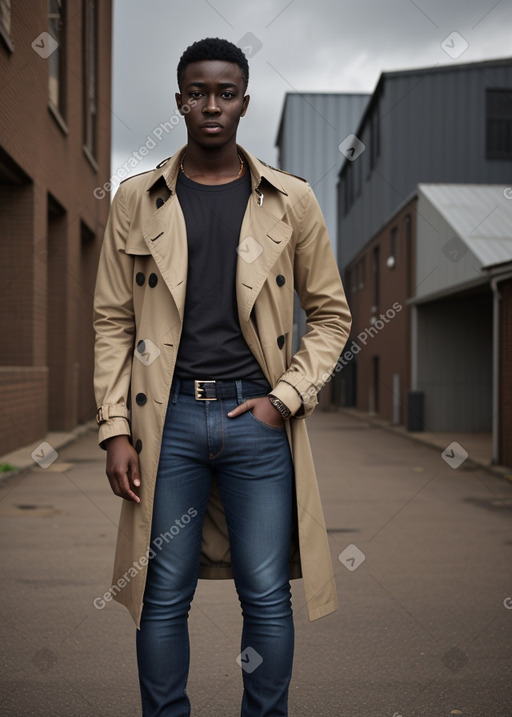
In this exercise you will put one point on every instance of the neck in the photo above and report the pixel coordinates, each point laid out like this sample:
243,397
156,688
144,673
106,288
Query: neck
212,165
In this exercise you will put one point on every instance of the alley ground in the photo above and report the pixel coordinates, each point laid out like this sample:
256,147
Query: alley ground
425,584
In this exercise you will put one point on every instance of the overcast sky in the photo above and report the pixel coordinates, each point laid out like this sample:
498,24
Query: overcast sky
297,45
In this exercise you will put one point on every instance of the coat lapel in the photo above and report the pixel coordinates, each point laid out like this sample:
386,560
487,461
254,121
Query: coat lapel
263,237
166,237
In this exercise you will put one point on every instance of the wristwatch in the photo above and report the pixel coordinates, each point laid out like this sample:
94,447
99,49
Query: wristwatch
279,406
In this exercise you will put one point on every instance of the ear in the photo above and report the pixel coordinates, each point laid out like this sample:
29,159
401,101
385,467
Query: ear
179,102
245,105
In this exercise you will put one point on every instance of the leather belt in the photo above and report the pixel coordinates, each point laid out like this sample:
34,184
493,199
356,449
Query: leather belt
204,390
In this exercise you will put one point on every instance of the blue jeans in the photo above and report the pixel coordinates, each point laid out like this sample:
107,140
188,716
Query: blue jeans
253,467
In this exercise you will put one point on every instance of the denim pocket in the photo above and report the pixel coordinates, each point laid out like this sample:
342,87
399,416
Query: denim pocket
265,425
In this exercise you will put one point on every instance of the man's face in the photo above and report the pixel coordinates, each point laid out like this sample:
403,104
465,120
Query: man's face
212,101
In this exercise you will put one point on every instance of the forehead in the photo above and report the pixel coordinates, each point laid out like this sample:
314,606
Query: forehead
212,72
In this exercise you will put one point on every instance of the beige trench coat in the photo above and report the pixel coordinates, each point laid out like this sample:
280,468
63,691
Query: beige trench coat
283,235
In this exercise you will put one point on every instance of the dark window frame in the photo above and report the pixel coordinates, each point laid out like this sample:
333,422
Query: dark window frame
498,124
5,24
90,76
408,252
376,276
57,60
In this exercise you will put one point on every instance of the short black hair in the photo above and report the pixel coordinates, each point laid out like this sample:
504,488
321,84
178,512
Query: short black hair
213,48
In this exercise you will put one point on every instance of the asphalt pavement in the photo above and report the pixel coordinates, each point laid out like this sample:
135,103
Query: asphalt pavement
421,549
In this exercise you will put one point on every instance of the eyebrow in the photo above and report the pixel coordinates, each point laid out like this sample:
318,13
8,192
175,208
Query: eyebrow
222,85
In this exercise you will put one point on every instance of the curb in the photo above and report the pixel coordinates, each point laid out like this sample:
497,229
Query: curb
496,470
22,459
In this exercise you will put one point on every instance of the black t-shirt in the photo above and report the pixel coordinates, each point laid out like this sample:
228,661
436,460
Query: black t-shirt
212,345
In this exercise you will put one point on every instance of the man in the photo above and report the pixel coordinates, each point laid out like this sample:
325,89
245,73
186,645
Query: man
200,399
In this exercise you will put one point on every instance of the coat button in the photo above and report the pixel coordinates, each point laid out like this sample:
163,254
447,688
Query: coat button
141,399
280,280
141,346
159,202
140,278
153,280
138,445
280,341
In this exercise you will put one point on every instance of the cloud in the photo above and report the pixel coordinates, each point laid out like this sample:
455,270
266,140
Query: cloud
327,45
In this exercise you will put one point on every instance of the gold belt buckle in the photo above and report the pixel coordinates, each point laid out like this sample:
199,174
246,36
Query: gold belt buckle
200,390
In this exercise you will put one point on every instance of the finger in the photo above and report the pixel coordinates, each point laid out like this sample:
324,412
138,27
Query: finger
134,471
120,484
242,408
127,492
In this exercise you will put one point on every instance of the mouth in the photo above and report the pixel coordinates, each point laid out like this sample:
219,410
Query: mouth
211,127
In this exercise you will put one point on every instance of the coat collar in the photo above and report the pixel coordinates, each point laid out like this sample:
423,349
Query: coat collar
169,168
263,236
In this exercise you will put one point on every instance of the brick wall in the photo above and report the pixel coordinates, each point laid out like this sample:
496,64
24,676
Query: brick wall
47,206
387,339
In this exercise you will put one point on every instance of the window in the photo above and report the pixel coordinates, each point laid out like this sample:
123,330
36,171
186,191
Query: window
499,124
408,252
393,242
57,59
5,22
358,168
376,277
348,188
362,272
374,136
90,75
374,395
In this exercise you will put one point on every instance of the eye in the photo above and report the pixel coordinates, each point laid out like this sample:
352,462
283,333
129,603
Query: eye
227,95
195,93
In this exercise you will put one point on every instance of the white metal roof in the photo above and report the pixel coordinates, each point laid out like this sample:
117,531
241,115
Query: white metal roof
480,214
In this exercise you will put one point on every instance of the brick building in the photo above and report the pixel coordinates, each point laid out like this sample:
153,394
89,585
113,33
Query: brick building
55,84
379,282
431,298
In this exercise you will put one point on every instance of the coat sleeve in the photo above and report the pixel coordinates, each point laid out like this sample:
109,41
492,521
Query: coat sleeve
114,325
328,320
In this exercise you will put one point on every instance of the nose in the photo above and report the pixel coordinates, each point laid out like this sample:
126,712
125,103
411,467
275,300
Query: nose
211,106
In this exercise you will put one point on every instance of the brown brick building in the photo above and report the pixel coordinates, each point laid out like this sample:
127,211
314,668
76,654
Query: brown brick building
379,282
55,116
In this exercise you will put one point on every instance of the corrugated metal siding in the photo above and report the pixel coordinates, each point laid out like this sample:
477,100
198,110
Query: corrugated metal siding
455,363
312,127
432,131
436,270
480,215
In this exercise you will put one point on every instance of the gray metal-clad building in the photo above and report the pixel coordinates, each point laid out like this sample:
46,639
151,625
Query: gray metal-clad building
311,127
432,125
462,231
